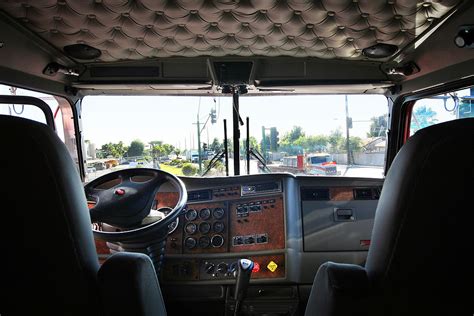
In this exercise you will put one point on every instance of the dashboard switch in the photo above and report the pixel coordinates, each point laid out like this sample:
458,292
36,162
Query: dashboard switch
256,267
261,239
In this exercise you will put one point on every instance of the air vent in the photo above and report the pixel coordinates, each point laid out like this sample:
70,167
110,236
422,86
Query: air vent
233,72
315,194
126,72
366,193
202,195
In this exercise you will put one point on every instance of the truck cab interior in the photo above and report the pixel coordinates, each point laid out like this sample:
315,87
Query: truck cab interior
237,157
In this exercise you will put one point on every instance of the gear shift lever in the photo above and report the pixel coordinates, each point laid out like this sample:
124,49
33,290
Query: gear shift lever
243,272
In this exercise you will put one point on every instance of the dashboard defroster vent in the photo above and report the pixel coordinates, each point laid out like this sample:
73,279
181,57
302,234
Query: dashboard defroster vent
315,194
366,193
258,188
202,195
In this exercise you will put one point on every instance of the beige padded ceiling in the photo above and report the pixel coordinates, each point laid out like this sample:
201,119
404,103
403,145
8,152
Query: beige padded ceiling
140,29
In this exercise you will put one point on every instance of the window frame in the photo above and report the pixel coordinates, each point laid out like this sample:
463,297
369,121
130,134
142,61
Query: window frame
402,110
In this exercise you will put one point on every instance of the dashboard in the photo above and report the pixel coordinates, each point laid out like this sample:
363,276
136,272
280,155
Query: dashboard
288,225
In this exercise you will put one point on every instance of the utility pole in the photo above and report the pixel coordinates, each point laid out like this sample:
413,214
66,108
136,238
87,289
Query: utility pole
349,162
199,144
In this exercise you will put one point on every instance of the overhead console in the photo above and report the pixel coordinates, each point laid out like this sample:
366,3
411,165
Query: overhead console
220,225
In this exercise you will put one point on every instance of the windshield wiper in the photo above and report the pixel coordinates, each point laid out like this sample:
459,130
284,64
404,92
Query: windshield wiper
212,163
219,155
257,155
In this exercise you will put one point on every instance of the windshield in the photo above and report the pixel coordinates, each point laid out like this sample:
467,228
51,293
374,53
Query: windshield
320,135
319,159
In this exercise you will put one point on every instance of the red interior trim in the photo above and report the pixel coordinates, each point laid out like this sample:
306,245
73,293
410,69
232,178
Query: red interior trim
407,120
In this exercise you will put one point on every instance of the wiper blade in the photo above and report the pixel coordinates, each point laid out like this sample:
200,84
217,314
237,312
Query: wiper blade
217,157
257,155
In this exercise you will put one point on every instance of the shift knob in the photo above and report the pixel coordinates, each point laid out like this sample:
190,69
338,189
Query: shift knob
243,272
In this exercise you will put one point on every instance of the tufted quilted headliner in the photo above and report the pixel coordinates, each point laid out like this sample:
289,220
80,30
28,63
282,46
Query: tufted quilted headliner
141,29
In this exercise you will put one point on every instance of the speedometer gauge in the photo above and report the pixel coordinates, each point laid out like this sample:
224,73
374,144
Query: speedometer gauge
191,214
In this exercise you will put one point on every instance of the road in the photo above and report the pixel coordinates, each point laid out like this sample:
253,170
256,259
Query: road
343,170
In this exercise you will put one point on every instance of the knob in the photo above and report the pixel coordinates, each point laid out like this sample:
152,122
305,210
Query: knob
233,267
209,267
217,241
222,267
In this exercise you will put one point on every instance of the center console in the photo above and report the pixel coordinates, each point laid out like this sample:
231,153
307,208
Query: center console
224,224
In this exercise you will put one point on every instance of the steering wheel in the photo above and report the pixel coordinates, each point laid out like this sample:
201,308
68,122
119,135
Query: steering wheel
124,199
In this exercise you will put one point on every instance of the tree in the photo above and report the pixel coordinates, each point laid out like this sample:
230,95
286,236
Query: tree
378,126
157,151
136,148
293,135
314,143
155,143
292,142
336,140
177,151
355,143
216,145
168,149
422,117
114,150
253,143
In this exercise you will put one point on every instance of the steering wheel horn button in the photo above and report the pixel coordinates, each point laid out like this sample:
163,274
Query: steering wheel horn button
119,192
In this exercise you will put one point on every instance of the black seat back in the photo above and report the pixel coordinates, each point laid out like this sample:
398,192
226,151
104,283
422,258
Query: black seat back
49,261
419,261
422,234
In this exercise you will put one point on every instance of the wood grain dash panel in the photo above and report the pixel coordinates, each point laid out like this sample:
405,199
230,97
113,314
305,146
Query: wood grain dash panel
269,220
166,199
341,194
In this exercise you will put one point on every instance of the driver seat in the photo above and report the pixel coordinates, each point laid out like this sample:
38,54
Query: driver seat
418,260
49,260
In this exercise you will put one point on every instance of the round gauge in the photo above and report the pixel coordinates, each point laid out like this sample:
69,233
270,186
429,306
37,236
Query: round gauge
173,225
218,227
204,242
190,242
191,214
190,228
218,213
204,227
205,213
217,241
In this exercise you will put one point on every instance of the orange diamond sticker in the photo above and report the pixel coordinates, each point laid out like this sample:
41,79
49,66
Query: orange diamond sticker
272,266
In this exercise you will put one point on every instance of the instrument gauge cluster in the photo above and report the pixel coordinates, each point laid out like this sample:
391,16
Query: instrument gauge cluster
204,228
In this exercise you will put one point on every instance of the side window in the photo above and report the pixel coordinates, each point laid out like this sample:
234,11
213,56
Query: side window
442,108
60,109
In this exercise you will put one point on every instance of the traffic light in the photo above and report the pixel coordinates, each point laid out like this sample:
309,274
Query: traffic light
213,116
204,146
349,122
274,139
